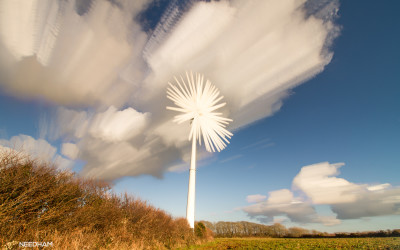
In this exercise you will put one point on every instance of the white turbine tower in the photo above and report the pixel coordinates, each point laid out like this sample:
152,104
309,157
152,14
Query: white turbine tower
197,103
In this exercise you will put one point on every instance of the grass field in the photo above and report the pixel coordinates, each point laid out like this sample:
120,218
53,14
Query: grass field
283,243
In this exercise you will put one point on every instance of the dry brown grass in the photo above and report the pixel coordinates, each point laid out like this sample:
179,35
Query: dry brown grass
39,203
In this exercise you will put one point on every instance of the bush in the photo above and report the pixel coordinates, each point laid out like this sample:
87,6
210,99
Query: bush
42,204
200,230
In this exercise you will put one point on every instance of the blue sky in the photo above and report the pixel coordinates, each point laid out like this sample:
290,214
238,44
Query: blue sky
324,155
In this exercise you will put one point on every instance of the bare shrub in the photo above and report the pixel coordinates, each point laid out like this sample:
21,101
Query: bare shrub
40,203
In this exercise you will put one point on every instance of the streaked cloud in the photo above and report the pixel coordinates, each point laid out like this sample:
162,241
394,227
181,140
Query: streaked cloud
317,184
259,144
108,77
235,157
51,51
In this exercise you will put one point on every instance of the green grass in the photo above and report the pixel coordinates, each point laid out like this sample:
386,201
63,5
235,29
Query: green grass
284,243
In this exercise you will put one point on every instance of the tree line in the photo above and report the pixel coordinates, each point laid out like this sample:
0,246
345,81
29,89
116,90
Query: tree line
225,229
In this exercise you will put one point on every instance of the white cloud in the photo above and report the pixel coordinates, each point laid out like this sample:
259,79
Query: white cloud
70,150
37,149
348,200
113,125
110,78
318,183
320,187
282,203
255,198
117,143
172,134
370,203
379,187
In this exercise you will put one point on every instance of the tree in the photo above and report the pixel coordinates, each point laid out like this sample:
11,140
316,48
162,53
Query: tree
279,230
297,232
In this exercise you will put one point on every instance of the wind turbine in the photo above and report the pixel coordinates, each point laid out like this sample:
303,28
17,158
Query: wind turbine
197,103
